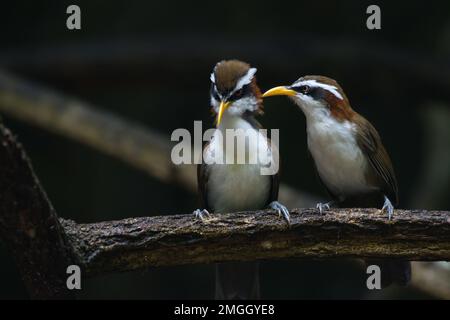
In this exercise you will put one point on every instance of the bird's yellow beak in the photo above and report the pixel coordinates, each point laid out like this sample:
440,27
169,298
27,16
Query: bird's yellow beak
223,106
279,91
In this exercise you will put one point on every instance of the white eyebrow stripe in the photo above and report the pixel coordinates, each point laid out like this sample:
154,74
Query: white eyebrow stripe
314,83
246,79
213,80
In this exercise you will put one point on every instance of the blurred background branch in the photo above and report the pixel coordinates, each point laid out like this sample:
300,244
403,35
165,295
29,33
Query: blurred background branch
431,191
434,181
128,141
433,278
103,131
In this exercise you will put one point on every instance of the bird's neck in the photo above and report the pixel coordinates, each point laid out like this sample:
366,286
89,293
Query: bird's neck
236,122
237,129
324,131
316,114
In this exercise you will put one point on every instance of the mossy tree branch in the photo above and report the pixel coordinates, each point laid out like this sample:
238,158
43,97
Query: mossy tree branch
180,239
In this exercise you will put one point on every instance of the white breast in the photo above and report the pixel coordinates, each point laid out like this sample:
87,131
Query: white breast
338,158
237,187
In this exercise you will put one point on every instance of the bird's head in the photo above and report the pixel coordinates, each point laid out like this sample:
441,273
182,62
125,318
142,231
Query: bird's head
234,90
316,95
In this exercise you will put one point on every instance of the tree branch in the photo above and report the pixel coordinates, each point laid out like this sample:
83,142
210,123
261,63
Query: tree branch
103,131
29,225
180,239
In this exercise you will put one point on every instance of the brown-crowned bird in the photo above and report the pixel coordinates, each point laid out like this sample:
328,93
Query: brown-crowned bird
348,154
230,185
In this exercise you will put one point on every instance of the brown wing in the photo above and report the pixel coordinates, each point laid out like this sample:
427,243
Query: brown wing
370,143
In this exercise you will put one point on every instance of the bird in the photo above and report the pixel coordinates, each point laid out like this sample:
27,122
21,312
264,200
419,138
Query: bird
229,186
349,156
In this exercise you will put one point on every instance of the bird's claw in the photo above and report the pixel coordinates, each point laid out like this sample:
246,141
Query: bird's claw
323,206
282,210
388,207
201,214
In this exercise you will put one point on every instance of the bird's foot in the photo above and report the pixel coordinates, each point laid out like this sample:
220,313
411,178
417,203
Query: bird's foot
201,214
324,206
282,210
388,207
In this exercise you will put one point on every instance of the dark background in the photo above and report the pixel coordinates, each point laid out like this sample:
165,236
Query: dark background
150,61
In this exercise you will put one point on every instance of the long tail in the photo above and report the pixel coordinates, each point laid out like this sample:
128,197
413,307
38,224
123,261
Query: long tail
393,271
237,281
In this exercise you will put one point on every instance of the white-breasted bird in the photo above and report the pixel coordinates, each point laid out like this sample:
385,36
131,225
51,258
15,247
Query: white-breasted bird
348,154
230,186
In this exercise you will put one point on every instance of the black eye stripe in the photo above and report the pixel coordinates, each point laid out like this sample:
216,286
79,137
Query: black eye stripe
316,93
230,95
305,89
244,91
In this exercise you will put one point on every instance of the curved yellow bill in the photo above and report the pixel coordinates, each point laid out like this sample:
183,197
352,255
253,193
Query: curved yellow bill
279,91
223,106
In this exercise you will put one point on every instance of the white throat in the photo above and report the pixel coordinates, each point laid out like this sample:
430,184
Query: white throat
231,121
236,128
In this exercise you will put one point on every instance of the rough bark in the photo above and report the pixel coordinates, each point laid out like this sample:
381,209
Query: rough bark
180,239
29,225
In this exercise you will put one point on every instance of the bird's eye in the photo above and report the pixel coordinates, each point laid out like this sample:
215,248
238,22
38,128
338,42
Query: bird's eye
304,89
237,94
